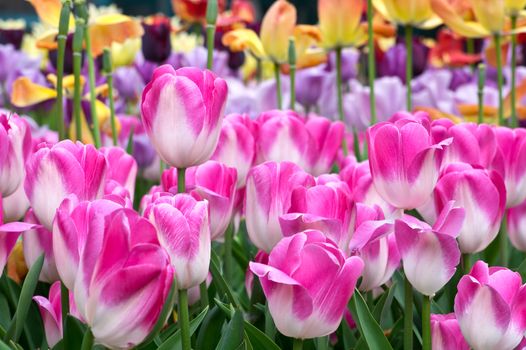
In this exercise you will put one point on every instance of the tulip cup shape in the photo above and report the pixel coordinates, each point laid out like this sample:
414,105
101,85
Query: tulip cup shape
237,146
446,334
490,307
404,161
430,255
182,112
324,207
268,196
482,194
183,230
15,146
122,168
307,282
51,312
117,268
510,161
52,173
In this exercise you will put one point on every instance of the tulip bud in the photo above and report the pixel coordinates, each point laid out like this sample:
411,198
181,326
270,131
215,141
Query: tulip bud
276,28
268,196
302,309
430,255
52,173
15,146
490,307
445,333
156,44
183,230
182,112
340,22
404,160
483,197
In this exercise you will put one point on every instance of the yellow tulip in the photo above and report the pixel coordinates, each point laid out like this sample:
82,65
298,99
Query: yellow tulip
244,39
416,13
340,23
307,54
276,28
458,16
513,7
123,54
49,12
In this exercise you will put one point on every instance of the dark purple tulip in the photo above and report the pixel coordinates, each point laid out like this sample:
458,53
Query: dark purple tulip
68,57
12,36
156,46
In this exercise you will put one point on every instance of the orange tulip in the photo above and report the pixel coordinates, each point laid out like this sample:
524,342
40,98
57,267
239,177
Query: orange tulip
276,28
194,10
340,23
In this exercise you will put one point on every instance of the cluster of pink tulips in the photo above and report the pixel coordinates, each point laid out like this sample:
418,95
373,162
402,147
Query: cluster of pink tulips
183,216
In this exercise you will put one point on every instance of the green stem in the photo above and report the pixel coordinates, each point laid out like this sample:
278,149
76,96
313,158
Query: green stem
259,70
210,34
77,63
203,290
480,91
292,68
183,319
341,114
470,49
181,180
503,236
228,263
426,322
61,50
466,263
64,303
408,315
514,122
87,341
371,61
108,70
92,93
297,344
409,65
500,78
278,84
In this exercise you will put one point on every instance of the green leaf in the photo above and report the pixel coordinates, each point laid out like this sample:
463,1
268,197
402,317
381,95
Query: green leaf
240,255
258,339
74,333
165,311
129,146
370,329
3,346
174,342
210,331
26,297
522,269
381,310
232,337
219,281
4,312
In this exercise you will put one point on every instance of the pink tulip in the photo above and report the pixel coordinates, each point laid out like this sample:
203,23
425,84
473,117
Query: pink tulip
182,111
510,162
404,160
35,242
483,197
65,168
430,254
517,226
183,230
262,258
78,223
324,207
313,144
215,183
122,168
237,147
490,307
9,234
15,205
474,144
268,196
117,269
15,146
374,242
51,312
307,282
445,333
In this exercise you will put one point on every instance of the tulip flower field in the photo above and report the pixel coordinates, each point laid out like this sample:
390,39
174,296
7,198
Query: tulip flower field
230,178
